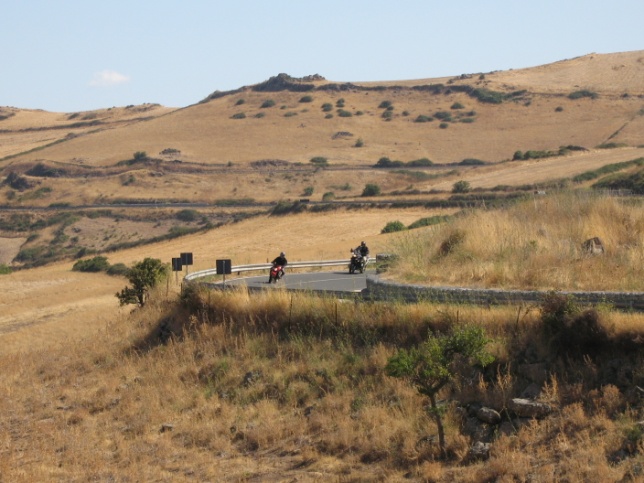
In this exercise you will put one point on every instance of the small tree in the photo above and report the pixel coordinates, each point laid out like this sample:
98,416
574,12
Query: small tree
461,186
371,190
142,276
434,364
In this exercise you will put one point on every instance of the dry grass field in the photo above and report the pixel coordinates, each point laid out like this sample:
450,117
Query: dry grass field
84,397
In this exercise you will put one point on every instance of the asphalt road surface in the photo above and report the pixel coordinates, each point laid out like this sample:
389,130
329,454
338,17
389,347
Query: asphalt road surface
325,281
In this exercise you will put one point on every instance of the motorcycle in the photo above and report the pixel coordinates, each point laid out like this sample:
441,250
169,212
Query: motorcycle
275,274
357,262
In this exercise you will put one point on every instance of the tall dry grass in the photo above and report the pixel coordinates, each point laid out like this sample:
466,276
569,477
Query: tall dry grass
279,386
533,245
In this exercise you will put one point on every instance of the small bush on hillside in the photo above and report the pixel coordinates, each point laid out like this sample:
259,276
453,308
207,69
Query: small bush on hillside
385,105
443,115
387,115
582,93
385,162
308,191
240,102
328,196
238,115
420,162
423,118
96,264
118,269
471,162
288,207
371,190
187,215
457,105
306,99
327,107
359,143
393,226
461,186
443,125
5,269
319,161
290,114
267,103
259,115
488,96
339,103
343,113
612,145
429,221
143,276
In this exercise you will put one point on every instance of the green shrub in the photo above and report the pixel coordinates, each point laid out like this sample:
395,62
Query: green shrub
240,102
385,105
612,145
582,93
359,143
371,190
393,226
308,191
443,125
267,103
423,118
385,162
290,114
327,106
328,196
96,264
319,161
429,221
288,207
259,115
488,96
387,115
328,116
343,113
461,186
238,115
187,215
339,103
420,162
306,99
5,269
471,162
118,269
457,105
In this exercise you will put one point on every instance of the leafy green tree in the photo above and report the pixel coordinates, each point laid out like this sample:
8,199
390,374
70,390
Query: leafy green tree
371,190
435,363
143,276
461,186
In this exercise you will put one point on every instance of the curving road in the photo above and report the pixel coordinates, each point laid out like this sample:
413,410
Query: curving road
338,281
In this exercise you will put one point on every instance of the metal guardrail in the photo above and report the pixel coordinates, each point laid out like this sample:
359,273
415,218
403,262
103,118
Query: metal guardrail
265,266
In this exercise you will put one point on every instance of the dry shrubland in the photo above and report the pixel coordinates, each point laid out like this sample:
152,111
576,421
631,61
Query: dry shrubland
225,386
535,244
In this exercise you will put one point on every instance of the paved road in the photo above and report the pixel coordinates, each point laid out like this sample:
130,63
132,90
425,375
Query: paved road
338,281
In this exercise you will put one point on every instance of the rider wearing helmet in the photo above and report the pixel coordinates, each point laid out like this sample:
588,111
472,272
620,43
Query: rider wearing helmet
364,249
281,261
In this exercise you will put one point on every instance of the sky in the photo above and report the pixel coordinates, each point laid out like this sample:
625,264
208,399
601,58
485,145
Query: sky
80,55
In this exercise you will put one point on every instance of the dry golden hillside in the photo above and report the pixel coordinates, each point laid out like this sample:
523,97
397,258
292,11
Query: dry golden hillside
237,159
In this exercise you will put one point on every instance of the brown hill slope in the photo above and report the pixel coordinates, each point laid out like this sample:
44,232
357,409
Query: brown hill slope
295,131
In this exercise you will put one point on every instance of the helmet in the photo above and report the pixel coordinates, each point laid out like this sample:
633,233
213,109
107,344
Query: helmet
282,254
362,243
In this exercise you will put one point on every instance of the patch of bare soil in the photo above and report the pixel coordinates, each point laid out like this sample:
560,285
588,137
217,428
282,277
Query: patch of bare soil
9,248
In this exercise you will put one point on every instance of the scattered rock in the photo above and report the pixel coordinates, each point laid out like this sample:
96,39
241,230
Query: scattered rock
488,415
529,409
593,246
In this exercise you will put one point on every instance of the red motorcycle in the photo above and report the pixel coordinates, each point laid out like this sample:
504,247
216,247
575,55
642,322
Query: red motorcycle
275,274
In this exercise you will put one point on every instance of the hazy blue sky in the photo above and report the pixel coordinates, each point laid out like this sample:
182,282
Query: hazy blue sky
75,55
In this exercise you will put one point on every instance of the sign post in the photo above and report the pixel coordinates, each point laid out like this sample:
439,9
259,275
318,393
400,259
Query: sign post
224,267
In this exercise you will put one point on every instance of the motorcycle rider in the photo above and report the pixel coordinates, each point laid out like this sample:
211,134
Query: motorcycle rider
364,251
281,261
